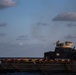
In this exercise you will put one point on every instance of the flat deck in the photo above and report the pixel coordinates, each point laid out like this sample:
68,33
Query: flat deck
36,64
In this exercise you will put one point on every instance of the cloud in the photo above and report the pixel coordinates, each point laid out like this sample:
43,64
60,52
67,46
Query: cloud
3,24
2,34
69,16
23,37
7,3
71,25
42,23
71,36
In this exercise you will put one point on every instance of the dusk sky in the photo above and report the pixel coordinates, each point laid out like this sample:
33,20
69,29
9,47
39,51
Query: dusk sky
28,28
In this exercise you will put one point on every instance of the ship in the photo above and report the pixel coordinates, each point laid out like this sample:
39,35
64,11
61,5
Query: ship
63,50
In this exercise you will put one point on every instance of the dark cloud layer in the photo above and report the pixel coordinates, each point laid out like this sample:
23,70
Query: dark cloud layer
23,37
3,24
71,36
41,23
71,25
69,16
7,3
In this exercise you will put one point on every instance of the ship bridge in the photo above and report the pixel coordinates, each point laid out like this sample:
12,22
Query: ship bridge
66,44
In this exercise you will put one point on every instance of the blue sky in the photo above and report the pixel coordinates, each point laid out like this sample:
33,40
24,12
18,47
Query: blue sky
28,28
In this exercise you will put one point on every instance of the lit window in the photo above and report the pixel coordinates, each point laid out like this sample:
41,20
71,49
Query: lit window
57,54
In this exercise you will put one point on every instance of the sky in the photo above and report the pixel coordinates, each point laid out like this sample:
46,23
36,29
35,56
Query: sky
28,28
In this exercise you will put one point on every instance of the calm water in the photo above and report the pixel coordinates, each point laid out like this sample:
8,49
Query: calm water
22,73
32,73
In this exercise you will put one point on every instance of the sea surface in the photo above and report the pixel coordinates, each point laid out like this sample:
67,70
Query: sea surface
36,73
22,73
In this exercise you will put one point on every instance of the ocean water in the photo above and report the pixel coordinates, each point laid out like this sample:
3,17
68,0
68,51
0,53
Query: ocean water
23,73
36,73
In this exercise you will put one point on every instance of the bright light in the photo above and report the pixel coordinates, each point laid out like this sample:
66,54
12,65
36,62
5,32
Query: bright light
57,54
